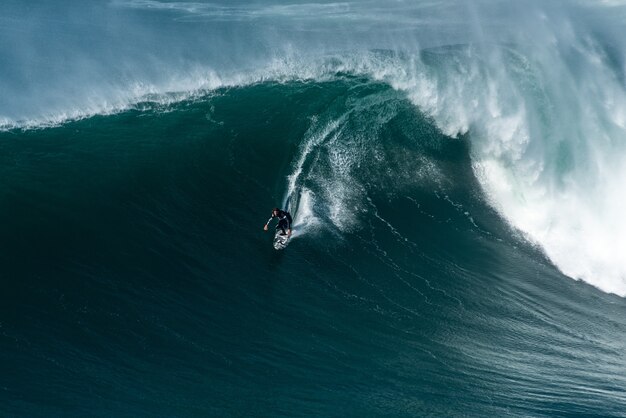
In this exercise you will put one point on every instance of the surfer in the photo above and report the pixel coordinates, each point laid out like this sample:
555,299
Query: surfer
284,221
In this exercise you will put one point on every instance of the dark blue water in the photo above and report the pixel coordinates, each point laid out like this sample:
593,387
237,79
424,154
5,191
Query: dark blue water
137,279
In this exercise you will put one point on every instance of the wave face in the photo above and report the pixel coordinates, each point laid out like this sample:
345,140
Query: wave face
450,167
138,280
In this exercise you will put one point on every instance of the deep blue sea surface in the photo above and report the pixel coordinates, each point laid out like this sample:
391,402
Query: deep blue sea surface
455,172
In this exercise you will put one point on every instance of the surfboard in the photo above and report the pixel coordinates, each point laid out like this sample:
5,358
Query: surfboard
280,240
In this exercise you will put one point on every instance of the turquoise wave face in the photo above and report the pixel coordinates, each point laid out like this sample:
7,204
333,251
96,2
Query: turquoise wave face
137,278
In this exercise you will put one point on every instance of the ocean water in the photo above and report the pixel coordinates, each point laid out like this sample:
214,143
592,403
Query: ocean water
455,171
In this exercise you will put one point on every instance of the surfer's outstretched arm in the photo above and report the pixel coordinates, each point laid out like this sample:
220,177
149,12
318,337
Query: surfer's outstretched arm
267,223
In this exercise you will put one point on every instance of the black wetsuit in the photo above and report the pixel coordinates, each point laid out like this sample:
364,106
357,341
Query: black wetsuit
284,220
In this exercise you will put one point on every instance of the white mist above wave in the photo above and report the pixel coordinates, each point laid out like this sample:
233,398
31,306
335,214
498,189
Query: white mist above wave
547,124
539,88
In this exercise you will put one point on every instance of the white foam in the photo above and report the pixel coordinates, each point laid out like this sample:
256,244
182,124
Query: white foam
305,221
298,198
312,140
548,149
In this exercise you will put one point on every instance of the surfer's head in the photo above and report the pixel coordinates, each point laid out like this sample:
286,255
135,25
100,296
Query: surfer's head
275,211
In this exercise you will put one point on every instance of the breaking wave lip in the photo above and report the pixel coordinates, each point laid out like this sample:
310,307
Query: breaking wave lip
141,96
143,102
137,97
378,65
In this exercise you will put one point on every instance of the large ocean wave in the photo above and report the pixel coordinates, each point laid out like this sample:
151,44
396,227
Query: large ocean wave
545,110
135,257
539,88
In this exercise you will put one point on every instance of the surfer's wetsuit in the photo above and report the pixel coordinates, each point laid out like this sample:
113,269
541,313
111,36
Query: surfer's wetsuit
284,221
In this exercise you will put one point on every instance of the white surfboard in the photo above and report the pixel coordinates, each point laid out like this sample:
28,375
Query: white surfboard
280,240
